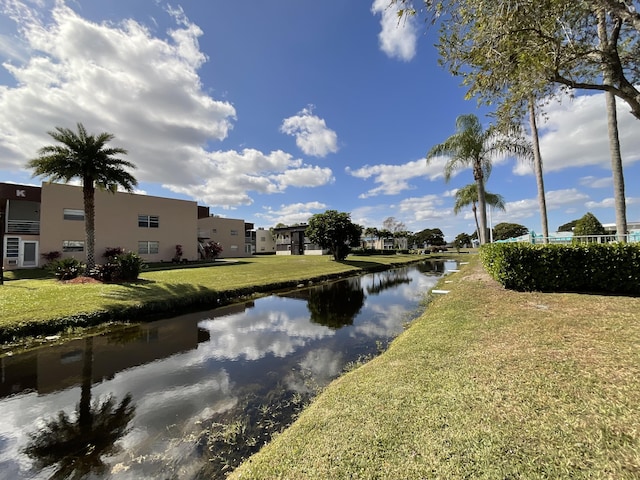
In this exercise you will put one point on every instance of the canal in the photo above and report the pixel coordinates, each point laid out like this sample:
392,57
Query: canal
189,397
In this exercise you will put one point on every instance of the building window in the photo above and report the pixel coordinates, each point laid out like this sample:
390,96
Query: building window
73,214
234,233
148,221
73,246
148,248
263,239
13,247
234,248
214,230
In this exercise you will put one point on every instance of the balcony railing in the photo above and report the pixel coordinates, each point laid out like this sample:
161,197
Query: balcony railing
27,227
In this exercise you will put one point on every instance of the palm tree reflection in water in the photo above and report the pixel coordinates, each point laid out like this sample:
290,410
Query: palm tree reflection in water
76,444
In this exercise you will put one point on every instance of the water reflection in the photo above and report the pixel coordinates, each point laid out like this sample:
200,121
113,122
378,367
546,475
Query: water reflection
237,373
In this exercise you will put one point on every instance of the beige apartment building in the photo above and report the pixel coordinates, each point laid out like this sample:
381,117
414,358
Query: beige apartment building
38,220
237,237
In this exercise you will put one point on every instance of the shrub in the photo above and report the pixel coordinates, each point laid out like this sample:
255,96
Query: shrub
130,265
603,268
66,268
51,256
212,250
111,252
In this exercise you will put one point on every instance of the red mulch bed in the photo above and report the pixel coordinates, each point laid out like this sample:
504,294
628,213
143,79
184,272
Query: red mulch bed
83,280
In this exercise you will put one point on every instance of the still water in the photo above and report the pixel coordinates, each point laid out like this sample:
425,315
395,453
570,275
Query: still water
190,396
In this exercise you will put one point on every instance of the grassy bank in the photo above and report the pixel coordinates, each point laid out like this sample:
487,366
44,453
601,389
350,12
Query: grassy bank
40,306
487,384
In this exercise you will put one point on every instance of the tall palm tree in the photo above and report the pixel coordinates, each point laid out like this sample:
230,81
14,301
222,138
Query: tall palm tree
475,147
88,158
468,195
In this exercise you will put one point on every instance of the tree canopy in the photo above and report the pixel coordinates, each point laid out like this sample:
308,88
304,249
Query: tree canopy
334,231
428,237
86,157
503,231
588,225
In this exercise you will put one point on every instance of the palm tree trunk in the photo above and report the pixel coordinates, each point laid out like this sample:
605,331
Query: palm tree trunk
475,215
482,204
537,164
614,140
88,192
616,167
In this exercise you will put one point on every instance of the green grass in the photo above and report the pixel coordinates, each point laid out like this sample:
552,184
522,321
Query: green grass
487,384
43,306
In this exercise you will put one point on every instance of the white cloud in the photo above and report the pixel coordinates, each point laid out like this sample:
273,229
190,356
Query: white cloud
397,37
519,210
574,135
292,213
145,90
593,182
610,203
394,179
313,136
423,209
225,179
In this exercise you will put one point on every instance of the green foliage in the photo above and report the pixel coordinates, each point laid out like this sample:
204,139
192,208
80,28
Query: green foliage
334,231
588,225
130,264
66,268
568,227
429,236
462,240
503,231
598,268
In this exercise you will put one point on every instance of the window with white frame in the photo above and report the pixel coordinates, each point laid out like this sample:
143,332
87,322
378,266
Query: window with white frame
234,248
13,247
234,233
73,214
146,247
148,221
73,246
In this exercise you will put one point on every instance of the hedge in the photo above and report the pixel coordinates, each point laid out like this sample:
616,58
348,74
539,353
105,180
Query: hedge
588,268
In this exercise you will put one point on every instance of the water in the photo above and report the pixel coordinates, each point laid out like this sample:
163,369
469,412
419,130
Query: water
189,397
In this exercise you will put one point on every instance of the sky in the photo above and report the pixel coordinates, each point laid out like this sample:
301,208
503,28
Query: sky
275,111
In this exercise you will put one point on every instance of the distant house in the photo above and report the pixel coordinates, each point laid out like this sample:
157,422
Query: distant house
292,241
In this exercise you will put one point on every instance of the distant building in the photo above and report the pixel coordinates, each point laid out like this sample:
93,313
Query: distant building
265,243
233,234
292,241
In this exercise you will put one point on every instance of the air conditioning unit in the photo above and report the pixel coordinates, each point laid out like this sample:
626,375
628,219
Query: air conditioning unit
12,262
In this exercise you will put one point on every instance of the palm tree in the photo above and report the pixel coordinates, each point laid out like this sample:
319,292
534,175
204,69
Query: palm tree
468,195
472,146
88,158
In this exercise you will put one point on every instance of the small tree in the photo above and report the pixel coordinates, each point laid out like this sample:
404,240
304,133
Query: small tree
463,240
503,231
334,231
588,225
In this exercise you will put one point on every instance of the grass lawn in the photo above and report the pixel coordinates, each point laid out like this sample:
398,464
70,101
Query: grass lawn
29,303
487,384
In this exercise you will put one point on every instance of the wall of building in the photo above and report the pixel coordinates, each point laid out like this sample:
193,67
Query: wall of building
116,223
228,232
265,243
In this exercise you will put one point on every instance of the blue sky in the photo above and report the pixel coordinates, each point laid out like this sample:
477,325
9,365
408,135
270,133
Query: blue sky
274,111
